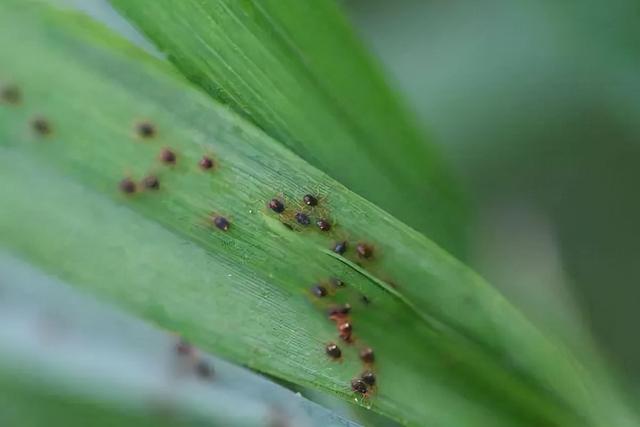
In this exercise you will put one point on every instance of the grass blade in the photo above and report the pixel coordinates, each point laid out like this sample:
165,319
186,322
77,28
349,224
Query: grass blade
457,353
296,70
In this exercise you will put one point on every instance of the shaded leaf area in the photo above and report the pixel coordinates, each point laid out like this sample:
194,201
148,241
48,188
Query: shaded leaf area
296,70
94,111
67,359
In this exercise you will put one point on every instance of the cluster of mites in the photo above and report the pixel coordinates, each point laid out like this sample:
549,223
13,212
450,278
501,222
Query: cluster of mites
339,314
11,95
363,250
167,156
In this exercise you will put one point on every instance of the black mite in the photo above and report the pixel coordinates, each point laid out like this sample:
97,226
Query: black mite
145,130
167,156
323,225
319,291
365,299
221,222
333,351
303,219
340,247
10,94
151,182
359,386
364,250
276,205
366,355
41,126
206,163
369,378
204,369
127,186
310,200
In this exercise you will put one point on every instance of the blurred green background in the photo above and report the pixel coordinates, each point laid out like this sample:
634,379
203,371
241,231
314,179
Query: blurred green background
536,105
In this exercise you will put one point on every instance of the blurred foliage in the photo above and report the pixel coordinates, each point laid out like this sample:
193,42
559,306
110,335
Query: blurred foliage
537,104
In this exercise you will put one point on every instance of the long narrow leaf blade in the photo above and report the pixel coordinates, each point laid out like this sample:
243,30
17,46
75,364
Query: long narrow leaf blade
450,350
297,71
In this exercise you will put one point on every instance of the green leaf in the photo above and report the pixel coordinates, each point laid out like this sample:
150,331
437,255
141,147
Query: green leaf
296,70
449,349
66,359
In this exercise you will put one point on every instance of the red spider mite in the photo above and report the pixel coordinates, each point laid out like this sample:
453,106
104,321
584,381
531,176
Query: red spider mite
323,225
340,247
359,386
345,330
127,186
204,369
221,222
303,218
333,351
41,126
184,348
319,291
369,378
145,129
364,250
366,355
337,282
206,162
276,205
339,312
310,200
168,156
10,94
151,182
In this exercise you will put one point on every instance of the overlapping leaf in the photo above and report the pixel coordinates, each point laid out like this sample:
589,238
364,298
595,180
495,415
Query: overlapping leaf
296,70
450,350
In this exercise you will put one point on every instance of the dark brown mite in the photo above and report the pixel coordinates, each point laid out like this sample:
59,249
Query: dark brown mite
303,219
167,156
359,386
204,369
337,282
41,126
221,222
364,250
366,355
310,200
333,350
127,186
369,378
340,247
365,299
206,162
276,205
323,224
319,291
151,182
145,130
10,94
